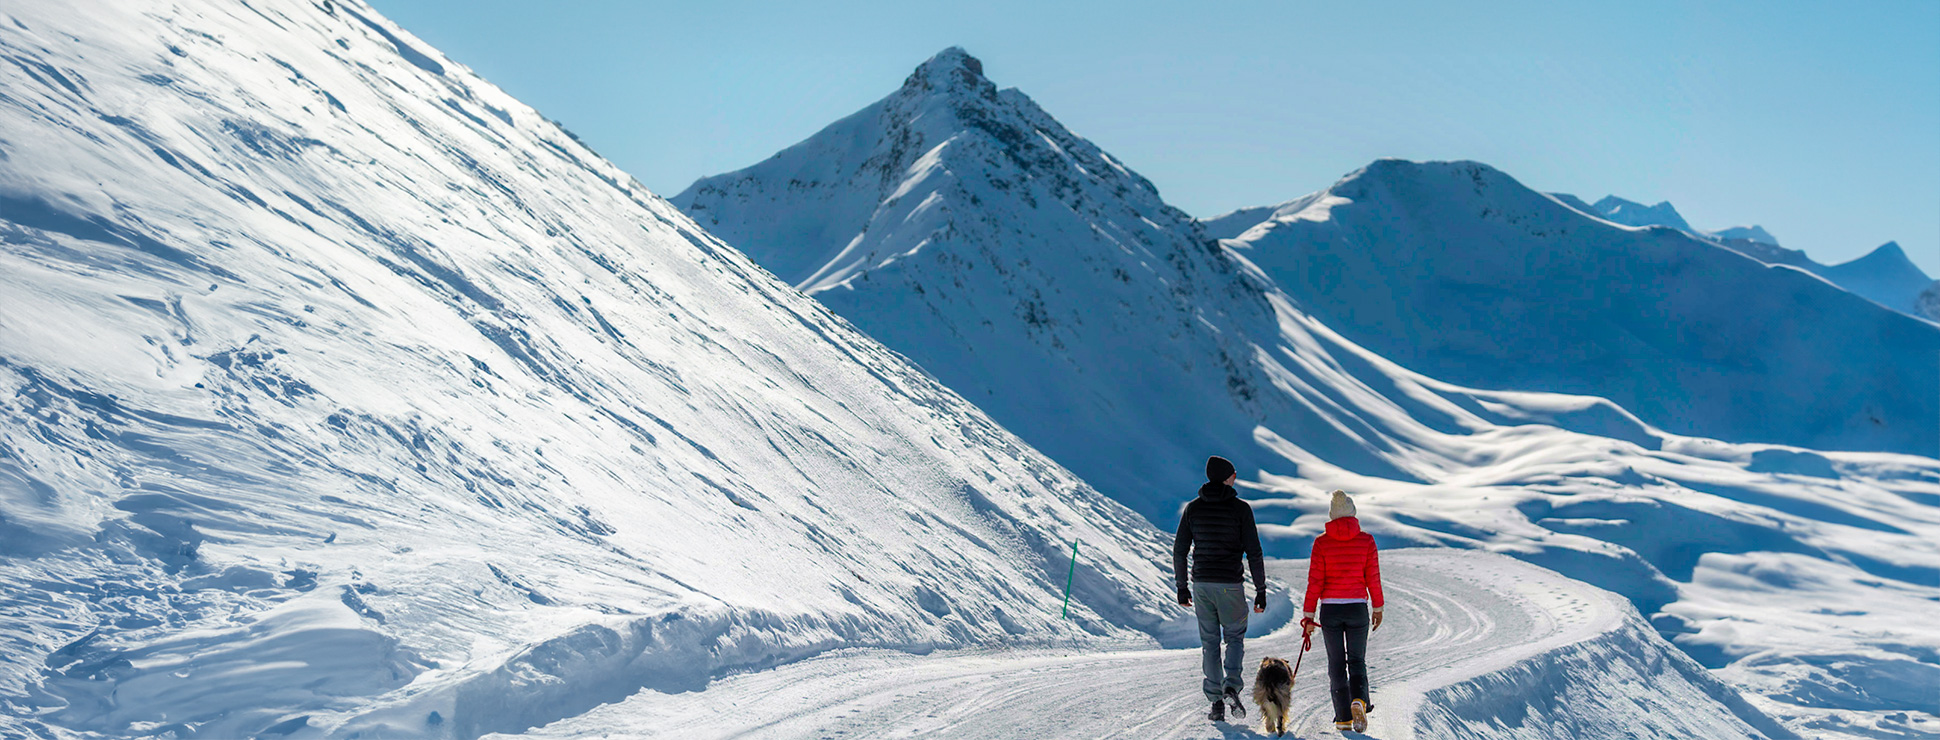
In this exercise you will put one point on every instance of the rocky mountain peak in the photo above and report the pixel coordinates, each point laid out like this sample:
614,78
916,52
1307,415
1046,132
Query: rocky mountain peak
951,70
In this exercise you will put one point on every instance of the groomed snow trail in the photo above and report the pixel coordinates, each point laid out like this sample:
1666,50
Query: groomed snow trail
1453,616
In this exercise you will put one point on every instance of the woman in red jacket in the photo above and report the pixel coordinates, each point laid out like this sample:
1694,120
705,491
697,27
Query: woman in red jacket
1344,581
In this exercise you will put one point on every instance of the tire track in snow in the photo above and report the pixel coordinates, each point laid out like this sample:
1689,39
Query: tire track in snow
1452,615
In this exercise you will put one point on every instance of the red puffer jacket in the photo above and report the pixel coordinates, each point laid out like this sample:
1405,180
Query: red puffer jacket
1344,566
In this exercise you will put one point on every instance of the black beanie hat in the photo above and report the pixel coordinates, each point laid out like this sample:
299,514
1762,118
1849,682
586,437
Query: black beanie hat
1217,469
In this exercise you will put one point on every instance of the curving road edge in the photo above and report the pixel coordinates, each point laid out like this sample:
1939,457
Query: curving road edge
1475,645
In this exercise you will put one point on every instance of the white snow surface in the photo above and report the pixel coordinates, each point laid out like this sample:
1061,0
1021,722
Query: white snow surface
343,395
1473,646
1046,282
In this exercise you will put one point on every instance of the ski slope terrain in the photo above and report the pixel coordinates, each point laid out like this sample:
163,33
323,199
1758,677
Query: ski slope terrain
1474,646
1047,282
343,395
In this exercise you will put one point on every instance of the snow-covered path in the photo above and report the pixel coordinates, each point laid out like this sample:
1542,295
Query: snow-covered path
1454,616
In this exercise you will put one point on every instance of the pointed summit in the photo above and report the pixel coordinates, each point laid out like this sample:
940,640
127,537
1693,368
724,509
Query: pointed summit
1884,276
868,190
952,69
966,228
1889,252
1885,259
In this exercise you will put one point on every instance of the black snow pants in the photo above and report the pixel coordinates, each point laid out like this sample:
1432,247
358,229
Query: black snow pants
1344,628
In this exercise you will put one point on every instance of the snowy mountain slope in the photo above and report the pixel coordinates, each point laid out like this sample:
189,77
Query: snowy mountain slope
1012,293
1022,266
1884,276
341,393
1458,271
1475,646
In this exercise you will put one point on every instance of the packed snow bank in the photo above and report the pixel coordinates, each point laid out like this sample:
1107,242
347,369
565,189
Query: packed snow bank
1474,646
1626,682
341,392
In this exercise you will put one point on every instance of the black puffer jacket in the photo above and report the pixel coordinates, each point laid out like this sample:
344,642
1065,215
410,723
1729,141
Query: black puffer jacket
1217,528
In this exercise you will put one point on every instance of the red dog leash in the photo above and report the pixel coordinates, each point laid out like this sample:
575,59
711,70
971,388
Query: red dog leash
1306,643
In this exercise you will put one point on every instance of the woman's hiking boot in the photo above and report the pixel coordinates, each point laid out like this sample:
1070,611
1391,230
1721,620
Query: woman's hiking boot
1359,708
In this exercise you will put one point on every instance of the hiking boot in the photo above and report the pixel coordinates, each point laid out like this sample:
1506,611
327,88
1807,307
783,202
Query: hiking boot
1232,698
1343,726
1218,713
1359,709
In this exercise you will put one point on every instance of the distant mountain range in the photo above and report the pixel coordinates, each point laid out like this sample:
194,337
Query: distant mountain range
1884,276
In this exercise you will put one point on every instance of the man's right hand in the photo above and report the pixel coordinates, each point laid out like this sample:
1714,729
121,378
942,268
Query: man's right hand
1185,598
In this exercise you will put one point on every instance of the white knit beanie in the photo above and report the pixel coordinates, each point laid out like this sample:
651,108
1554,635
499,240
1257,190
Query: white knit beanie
1341,506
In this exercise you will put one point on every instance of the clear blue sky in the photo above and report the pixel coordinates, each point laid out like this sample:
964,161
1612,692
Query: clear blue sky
1820,121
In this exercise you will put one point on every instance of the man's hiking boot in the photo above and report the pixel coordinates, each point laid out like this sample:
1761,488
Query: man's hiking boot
1359,708
1232,699
1218,713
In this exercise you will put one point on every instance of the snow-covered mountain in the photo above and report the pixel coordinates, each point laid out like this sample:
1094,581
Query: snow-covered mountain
342,393
1884,276
1038,276
1460,272
1023,267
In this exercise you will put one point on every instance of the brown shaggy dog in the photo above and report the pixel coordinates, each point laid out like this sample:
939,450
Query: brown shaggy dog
1273,691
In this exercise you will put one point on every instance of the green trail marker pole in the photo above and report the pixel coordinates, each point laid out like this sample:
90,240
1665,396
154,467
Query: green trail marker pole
1068,576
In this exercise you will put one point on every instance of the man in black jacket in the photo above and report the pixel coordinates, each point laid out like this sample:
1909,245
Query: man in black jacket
1217,528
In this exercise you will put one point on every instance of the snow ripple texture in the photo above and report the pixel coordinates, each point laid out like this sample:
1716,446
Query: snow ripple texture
341,394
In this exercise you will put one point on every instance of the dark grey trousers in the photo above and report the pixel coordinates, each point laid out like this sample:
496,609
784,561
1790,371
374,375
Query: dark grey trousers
1222,609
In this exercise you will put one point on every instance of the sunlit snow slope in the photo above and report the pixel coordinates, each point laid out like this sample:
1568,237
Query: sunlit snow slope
1048,283
1456,270
340,392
